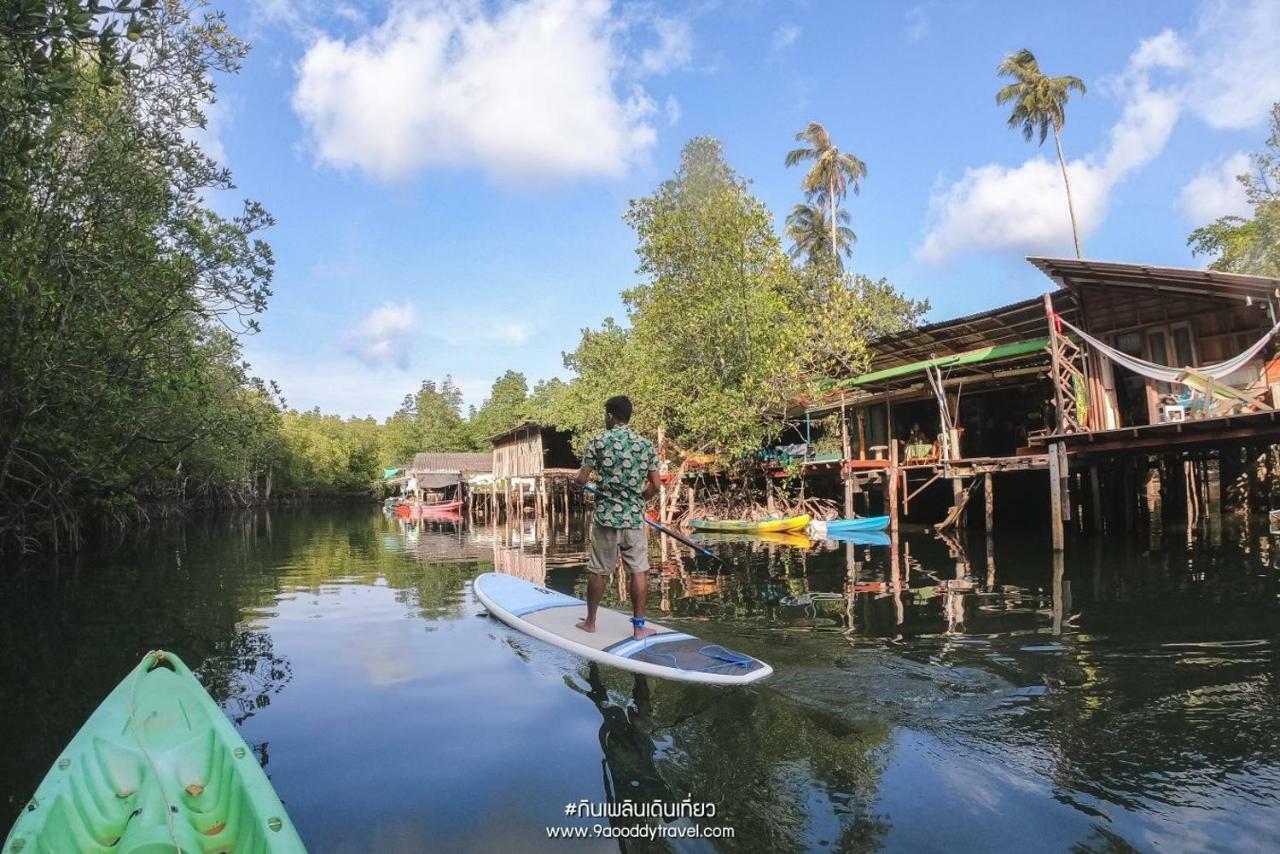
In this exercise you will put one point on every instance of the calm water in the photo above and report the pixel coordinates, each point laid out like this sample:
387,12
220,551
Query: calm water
983,702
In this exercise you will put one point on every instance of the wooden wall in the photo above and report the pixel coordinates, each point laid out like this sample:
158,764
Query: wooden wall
519,455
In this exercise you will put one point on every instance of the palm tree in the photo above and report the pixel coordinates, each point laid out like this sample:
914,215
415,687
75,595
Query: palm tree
831,176
1038,103
810,233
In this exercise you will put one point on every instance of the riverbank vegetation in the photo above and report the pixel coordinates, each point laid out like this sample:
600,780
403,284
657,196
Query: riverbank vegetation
129,281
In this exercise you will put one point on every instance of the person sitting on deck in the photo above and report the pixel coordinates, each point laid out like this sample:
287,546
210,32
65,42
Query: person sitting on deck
627,467
918,448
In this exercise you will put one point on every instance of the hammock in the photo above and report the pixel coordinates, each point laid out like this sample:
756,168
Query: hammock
1164,373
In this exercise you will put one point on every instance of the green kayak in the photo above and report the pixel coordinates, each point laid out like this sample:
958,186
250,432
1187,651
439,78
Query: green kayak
156,769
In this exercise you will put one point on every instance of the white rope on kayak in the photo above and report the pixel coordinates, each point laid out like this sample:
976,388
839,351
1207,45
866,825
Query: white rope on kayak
137,736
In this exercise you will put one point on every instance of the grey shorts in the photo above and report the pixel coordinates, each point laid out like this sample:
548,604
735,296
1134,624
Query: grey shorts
608,543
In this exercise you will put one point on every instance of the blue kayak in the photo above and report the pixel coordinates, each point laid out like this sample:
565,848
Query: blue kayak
865,523
861,538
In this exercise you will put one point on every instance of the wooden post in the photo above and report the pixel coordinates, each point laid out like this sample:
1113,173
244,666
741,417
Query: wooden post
957,495
989,500
845,453
1095,489
1055,496
1064,473
662,486
892,471
1061,593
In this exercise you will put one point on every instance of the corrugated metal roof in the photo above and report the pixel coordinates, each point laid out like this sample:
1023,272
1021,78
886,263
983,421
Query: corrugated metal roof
1009,324
1077,272
476,463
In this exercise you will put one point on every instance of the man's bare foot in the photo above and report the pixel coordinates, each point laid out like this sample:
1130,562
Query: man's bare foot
585,626
641,634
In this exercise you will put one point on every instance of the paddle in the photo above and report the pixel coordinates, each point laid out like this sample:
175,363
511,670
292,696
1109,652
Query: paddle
665,530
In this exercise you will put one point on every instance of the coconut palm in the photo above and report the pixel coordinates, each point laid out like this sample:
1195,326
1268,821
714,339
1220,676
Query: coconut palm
832,175
1038,102
811,233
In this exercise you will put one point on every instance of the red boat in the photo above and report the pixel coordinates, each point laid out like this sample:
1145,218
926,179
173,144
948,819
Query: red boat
414,509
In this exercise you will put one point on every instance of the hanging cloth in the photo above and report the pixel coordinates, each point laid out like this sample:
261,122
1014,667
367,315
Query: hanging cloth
1164,373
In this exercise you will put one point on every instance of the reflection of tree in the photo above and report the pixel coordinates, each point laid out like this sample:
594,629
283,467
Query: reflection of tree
777,770
245,675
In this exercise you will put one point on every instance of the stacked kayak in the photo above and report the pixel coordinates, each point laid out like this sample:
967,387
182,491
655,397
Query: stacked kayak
746,526
157,768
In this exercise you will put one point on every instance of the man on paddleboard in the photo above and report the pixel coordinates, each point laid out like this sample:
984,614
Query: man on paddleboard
627,469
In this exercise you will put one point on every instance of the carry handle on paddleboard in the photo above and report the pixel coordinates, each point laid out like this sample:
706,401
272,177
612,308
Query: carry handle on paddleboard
665,530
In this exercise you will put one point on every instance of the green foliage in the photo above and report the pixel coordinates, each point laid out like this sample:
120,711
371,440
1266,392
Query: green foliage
1039,105
844,311
1249,245
120,377
810,231
326,454
828,181
1039,101
506,406
430,420
725,334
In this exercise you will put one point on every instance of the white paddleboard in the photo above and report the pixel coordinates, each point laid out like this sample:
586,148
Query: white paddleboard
550,616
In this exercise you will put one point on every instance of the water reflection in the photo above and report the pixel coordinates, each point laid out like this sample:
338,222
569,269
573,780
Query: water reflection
928,692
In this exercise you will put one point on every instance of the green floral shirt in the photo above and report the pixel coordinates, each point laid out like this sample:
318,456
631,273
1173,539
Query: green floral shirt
622,461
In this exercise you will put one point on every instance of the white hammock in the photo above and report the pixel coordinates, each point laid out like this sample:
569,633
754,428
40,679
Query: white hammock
1164,373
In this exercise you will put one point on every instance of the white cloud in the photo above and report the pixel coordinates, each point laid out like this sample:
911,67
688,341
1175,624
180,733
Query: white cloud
530,91
1236,63
1225,72
1215,192
469,330
917,23
996,207
785,36
674,48
385,336
672,110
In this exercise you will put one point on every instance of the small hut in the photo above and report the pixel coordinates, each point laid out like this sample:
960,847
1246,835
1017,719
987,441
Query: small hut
439,473
532,460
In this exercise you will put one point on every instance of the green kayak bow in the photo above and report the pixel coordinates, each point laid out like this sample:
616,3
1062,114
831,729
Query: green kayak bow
157,768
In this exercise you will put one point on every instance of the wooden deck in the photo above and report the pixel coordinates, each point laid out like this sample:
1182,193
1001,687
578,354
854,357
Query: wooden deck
1226,429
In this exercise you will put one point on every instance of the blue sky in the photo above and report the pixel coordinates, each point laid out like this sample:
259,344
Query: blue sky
449,177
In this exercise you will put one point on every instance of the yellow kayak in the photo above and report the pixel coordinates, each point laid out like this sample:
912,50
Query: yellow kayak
761,526
795,539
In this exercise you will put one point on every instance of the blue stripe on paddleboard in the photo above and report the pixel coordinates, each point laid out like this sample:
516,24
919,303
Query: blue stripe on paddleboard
627,648
543,606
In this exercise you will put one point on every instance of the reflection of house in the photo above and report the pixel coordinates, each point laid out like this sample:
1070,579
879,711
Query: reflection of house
1120,359
441,472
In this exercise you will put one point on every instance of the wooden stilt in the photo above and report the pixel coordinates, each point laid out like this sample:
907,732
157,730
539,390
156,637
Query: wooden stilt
1095,495
893,485
1060,594
845,453
1055,498
989,499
